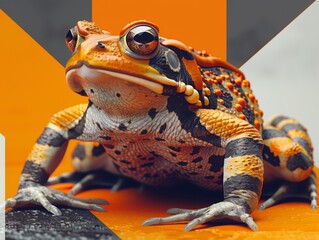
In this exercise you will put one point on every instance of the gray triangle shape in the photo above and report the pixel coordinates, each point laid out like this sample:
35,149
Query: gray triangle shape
48,21
253,23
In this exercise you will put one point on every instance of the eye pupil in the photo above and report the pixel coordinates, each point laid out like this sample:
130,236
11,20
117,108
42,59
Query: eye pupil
144,37
142,42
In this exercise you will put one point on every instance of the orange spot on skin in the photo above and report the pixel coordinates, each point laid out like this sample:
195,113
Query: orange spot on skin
218,92
257,124
256,114
246,83
221,101
252,97
219,79
238,81
238,107
261,113
236,91
242,116
230,86
242,102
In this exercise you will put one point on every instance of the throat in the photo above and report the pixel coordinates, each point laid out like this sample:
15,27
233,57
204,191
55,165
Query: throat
126,100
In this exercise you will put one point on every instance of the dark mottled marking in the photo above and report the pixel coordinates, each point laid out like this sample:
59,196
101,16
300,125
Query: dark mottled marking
249,113
195,150
299,160
155,154
159,139
182,163
144,131
79,152
304,143
175,149
196,160
209,177
151,158
125,162
139,156
51,137
243,146
117,152
124,146
38,173
200,167
272,133
129,121
92,90
292,126
181,141
226,96
97,150
189,121
77,130
162,128
277,120
99,126
122,127
217,163
118,94
155,175
242,182
133,169
173,154
193,173
147,165
152,113
147,175
143,158
106,137
110,146
268,156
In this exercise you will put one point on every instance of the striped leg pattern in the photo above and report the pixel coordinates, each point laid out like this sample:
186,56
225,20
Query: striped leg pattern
243,173
288,156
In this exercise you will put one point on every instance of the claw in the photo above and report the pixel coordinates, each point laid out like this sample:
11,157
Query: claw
305,189
196,217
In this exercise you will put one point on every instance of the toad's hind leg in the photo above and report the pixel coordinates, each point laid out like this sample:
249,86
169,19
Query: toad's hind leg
93,169
287,155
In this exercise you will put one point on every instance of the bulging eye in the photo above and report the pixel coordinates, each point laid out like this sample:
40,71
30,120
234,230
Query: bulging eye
71,39
142,41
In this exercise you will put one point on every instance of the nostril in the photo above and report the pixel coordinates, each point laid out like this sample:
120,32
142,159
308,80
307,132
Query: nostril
100,45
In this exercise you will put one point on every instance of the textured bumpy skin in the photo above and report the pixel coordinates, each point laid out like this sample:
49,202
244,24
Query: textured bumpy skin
160,113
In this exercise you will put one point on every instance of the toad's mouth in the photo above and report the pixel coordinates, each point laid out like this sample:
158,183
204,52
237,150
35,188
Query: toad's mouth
77,76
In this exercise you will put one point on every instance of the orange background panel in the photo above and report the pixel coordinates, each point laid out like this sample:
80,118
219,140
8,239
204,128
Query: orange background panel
200,24
33,88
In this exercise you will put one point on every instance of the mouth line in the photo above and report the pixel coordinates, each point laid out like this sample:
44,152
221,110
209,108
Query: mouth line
149,80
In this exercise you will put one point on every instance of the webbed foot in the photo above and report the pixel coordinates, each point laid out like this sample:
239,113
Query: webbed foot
221,210
306,189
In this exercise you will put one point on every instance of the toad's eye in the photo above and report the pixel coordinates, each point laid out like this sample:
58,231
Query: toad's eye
73,39
142,41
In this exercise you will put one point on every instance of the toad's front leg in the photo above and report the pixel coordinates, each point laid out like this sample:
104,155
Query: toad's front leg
43,160
243,174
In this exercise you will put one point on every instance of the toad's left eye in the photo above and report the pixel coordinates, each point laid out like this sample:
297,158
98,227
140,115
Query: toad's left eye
142,41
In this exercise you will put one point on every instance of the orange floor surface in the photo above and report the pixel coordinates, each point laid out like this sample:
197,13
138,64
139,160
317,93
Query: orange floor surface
129,208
